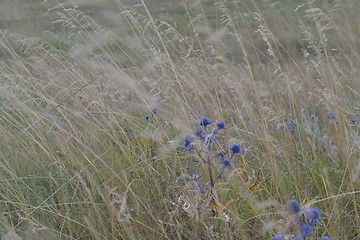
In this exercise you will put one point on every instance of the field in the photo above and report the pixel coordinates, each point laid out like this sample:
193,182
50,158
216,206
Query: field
179,119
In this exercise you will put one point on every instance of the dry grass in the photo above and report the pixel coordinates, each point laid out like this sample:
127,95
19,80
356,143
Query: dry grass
79,161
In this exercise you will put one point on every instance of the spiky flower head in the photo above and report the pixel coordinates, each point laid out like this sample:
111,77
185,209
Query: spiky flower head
294,206
220,125
204,121
306,230
236,148
226,162
198,133
312,215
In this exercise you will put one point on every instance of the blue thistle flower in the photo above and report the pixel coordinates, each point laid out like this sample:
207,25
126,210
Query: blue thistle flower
198,133
294,206
277,238
312,215
220,125
204,121
235,149
306,230
147,118
226,162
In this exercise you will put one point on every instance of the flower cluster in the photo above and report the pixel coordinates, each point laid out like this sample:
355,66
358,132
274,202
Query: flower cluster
210,142
226,162
312,216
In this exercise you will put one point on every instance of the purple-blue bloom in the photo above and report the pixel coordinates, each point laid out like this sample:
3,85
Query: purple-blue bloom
147,118
198,133
204,121
220,125
294,206
312,215
226,162
306,230
236,148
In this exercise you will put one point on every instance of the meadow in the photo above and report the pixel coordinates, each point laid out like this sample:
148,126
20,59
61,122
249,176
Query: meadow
179,119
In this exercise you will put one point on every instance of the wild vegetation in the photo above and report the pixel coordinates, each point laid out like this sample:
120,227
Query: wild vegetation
180,120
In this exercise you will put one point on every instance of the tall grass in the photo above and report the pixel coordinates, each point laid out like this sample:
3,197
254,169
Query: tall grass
79,160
